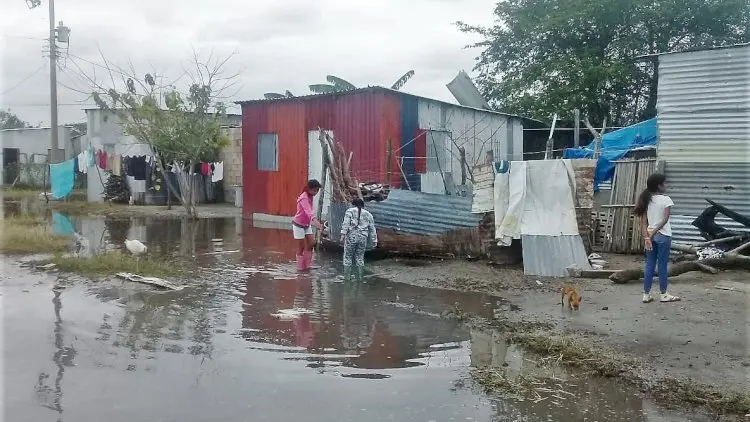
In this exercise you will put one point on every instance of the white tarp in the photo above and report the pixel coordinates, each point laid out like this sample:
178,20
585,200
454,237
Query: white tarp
535,198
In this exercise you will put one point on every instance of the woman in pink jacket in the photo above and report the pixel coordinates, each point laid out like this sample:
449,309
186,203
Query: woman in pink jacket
302,224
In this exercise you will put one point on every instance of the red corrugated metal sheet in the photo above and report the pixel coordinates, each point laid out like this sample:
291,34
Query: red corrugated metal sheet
363,122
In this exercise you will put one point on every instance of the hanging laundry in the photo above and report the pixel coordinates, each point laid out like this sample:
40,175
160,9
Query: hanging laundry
218,172
205,169
117,165
110,162
83,161
91,157
102,159
62,177
137,167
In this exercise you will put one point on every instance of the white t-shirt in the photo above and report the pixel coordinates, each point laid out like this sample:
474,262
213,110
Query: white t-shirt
655,213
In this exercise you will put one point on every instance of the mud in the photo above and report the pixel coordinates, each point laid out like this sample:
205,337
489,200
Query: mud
249,339
704,337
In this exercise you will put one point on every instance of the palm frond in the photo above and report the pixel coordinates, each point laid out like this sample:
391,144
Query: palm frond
402,80
340,84
322,88
273,96
289,94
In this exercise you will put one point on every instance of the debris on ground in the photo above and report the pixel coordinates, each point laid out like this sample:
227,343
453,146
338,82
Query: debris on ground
153,281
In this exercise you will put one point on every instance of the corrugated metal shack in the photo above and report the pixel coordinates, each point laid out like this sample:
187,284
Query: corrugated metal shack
704,132
424,136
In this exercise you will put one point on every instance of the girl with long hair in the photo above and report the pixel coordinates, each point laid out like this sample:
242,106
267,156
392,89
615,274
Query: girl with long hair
302,224
654,208
357,230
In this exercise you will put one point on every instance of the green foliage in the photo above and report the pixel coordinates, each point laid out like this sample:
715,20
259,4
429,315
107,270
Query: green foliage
340,84
402,80
8,120
552,56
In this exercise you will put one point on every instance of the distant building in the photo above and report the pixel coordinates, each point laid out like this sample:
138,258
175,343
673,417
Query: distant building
704,132
24,152
281,150
106,133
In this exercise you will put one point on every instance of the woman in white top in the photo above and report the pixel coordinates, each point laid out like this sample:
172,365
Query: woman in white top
357,231
654,209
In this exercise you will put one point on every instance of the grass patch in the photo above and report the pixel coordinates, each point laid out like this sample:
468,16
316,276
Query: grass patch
114,262
27,235
696,394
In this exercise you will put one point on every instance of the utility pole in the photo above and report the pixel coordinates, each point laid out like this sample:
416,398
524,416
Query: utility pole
54,154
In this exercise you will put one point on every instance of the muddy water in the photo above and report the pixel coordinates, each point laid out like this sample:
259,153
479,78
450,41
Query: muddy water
254,341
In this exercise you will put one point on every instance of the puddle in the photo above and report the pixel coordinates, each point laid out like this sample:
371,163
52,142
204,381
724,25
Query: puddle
255,341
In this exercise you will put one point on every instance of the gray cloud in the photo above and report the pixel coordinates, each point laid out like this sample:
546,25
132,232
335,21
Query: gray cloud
277,45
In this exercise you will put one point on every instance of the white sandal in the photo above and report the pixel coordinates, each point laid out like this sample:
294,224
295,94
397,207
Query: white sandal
666,297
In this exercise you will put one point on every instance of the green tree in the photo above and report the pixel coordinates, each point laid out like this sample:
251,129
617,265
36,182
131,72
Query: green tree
551,56
183,128
8,120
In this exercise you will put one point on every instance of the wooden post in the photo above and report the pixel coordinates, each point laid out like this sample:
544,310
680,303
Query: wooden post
323,181
388,173
597,136
400,166
577,133
462,154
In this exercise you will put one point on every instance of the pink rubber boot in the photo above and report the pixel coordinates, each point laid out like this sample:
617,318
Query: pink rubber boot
308,258
301,262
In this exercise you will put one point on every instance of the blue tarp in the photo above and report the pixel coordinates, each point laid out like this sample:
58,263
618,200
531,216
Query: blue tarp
614,146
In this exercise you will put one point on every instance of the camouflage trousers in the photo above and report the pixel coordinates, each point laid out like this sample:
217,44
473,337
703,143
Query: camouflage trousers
355,243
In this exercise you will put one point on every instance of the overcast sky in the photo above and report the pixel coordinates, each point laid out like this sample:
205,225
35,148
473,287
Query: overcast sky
279,45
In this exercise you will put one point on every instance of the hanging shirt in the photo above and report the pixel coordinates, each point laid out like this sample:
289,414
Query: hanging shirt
91,157
83,161
117,165
218,172
102,155
137,167
205,169
62,178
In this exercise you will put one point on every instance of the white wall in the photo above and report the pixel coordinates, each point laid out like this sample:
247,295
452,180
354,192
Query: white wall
34,143
105,132
476,130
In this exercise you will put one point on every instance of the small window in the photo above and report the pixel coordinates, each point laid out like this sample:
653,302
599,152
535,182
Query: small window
268,152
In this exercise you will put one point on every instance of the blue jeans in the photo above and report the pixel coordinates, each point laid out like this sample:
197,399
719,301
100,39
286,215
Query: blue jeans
657,259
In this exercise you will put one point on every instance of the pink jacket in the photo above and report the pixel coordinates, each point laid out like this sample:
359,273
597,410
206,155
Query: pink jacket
304,216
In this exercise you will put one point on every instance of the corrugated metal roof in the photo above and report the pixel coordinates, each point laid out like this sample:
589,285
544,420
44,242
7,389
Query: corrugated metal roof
370,89
550,256
414,213
704,106
484,192
690,184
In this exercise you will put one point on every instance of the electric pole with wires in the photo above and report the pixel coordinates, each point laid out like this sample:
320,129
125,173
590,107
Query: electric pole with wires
60,33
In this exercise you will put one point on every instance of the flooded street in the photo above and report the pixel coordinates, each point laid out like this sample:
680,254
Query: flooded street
249,339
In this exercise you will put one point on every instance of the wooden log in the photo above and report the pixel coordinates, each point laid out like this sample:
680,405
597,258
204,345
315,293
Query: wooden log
724,263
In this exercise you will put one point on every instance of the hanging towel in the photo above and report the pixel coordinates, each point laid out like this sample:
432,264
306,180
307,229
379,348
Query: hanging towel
117,165
62,176
102,159
218,172
83,161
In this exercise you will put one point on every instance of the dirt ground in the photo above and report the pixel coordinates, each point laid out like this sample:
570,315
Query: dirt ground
704,337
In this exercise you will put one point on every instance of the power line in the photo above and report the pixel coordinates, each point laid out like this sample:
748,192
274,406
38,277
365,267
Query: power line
29,76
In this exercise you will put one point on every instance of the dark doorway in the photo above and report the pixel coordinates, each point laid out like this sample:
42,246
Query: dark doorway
10,165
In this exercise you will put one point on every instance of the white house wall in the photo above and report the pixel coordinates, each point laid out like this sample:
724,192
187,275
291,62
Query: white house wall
33,144
476,130
105,132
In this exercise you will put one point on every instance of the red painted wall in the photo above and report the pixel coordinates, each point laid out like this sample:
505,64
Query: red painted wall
362,121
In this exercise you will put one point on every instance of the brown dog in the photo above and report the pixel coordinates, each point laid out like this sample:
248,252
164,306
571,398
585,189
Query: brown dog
574,298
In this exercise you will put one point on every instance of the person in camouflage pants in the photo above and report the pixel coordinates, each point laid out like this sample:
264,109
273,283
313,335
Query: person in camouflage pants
357,234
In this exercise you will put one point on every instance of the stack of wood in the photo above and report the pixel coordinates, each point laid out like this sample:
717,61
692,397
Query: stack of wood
343,186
